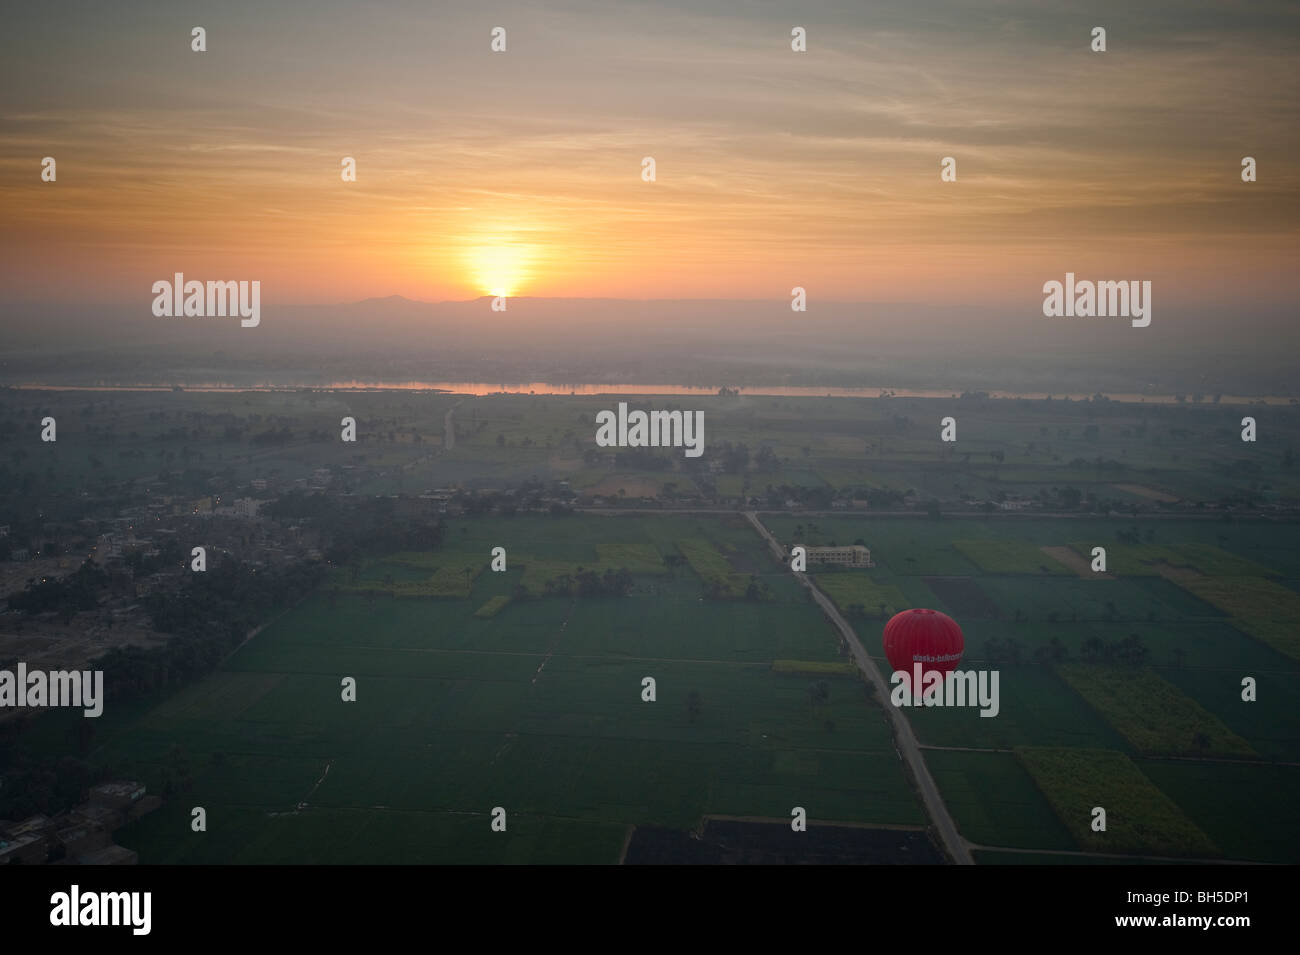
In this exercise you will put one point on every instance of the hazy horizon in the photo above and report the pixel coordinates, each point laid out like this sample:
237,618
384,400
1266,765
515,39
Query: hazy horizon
705,342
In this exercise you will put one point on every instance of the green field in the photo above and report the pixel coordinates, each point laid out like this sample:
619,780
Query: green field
410,575
856,593
1271,722
535,707
1037,708
815,668
1152,714
1139,600
995,802
716,574
493,607
1009,557
1140,819
1000,857
1246,809
476,690
1201,635
1264,609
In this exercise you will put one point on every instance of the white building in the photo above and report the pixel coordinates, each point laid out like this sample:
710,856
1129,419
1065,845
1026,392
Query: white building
854,555
246,507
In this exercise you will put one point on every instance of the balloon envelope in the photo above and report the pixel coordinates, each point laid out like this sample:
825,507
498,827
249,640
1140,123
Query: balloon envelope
927,637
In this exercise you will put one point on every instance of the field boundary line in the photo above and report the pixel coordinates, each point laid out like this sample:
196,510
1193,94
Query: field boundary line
1114,855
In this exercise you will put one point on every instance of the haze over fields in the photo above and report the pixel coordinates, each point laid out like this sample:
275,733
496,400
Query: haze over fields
704,343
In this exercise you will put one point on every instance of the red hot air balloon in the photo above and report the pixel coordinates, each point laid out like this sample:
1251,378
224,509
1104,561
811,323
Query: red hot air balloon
927,637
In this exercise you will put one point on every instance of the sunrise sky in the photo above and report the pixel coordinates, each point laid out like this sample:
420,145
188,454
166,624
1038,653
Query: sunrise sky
520,172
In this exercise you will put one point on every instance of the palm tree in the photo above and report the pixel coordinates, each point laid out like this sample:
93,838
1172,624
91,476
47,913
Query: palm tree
819,693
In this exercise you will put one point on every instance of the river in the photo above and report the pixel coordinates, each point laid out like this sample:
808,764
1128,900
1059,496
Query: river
481,388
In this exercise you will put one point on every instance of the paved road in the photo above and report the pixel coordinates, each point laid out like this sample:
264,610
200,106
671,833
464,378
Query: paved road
953,843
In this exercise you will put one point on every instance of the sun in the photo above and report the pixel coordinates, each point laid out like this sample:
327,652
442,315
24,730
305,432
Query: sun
500,266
